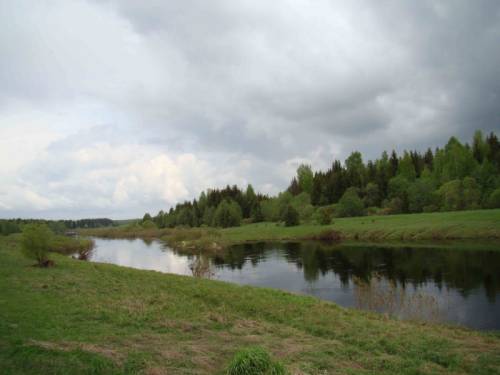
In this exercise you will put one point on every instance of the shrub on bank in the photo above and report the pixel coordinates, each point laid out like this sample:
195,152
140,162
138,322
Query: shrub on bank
36,243
290,216
149,224
350,204
494,199
324,215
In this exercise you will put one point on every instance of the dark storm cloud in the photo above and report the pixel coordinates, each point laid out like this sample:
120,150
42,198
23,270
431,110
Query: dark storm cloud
201,93
339,69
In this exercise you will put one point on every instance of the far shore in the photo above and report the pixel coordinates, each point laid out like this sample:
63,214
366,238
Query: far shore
427,229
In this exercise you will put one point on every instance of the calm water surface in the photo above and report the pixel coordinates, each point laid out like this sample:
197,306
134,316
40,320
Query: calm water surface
455,286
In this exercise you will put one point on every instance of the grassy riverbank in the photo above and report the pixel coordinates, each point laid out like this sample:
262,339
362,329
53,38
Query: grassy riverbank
462,225
83,318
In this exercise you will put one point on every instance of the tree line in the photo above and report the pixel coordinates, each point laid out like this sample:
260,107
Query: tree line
455,177
9,226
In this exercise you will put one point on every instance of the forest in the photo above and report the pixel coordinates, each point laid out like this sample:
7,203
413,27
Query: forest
455,177
9,226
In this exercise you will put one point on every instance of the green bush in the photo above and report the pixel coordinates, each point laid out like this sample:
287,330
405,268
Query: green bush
394,206
420,194
451,196
254,361
471,194
398,188
372,195
270,209
371,211
350,204
302,203
325,215
431,208
290,216
36,243
208,216
149,224
494,199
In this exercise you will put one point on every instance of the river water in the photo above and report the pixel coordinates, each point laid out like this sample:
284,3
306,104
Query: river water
457,286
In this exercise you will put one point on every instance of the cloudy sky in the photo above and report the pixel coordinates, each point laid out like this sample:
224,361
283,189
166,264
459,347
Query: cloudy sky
114,108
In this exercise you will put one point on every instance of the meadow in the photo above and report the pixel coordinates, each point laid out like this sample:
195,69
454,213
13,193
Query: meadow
88,318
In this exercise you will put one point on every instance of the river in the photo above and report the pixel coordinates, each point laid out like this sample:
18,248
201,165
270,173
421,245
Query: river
457,286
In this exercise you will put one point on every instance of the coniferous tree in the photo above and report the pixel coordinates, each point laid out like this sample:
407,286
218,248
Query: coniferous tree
429,159
479,147
383,174
371,172
294,187
257,215
394,163
335,183
249,201
317,190
493,150
372,195
290,216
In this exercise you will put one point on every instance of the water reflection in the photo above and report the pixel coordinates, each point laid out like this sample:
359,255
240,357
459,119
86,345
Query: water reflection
462,270
201,266
457,286
137,253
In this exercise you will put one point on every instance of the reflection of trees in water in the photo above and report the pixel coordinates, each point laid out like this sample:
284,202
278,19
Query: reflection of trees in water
147,241
459,269
236,256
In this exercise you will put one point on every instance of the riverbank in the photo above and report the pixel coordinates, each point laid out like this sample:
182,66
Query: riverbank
481,225
80,317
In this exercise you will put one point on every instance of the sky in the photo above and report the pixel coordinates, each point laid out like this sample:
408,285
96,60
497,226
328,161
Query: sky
111,108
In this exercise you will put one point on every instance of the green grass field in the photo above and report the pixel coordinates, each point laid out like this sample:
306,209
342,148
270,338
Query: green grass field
88,318
484,224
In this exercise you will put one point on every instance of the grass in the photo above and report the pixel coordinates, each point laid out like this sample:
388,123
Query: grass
254,361
482,224
91,318
462,225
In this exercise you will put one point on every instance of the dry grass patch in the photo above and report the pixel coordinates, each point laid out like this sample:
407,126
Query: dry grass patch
66,346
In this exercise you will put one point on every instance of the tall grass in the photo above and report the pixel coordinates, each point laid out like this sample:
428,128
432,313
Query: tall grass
202,267
254,361
386,296
72,245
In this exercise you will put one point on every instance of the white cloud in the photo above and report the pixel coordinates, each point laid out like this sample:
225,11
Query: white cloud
118,107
